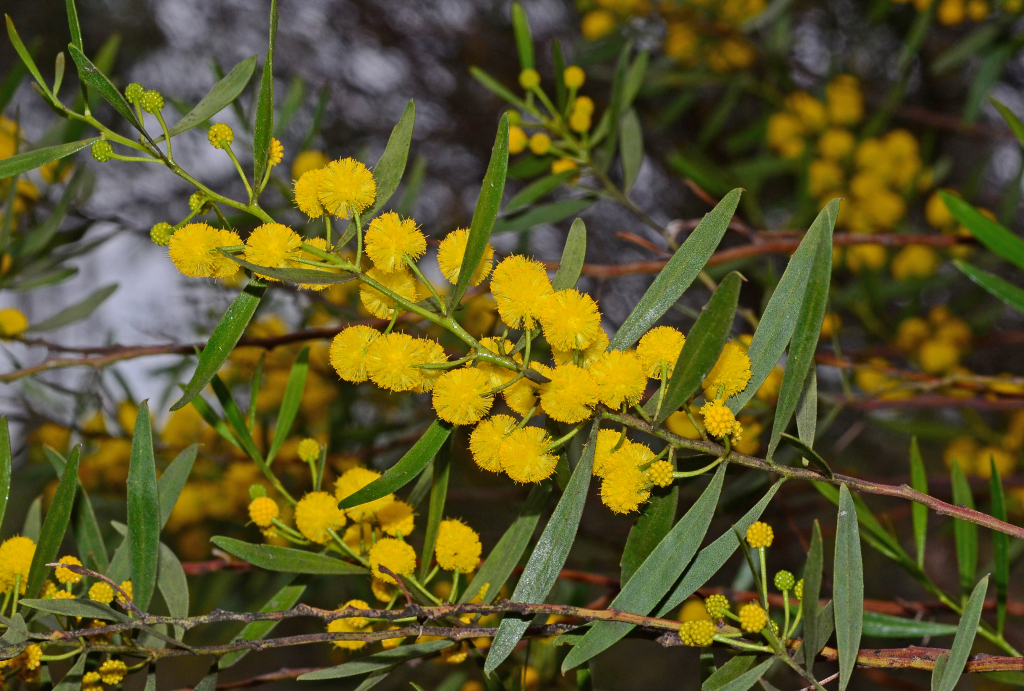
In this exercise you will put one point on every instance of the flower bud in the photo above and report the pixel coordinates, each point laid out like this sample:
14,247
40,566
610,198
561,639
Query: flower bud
529,79
220,135
196,201
133,92
102,151
152,101
784,580
161,233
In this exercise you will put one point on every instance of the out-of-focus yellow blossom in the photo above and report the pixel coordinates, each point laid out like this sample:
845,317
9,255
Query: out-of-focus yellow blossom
914,262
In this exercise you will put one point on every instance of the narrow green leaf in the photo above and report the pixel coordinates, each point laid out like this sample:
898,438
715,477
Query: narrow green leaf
807,416
1010,678
635,76
58,516
143,511
33,525
965,49
10,83
30,160
93,77
485,213
211,417
573,256
173,479
702,347
505,556
678,274
1000,545
76,312
964,532
1005,291
74,26
229,329
6,462
378,661
826,625
985,78
305,276
496,87
811,455
72,680
549,555
264,128
286,559
290,402
58,72
649,529
76,608
939,671
407,468
283,599
88,536
609,123
543,214
918,512
438,498
220,96
737,665
1016,126
879,625
537,189
848,587
748,679
655,577
813,638
964,640
236,419
992,234
524,38
631,153
39,237
207,683
26,58
173,585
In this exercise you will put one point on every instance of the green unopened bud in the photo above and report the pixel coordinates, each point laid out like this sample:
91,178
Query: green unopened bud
256,491
514,117
102,151
716,606
161,233
196,201
133,92
798,590
152,101
784,580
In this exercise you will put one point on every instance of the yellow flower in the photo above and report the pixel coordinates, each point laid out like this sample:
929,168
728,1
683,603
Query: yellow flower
570,395
914,261
730,373
824,177
937,356
810,111
396,517
451,251
570,320
529,78
661,344
126,586
315,514
64,576
574,76
308,160
462,396
101,592
309,450
759,535
349,352
597,24
937,213
520,287
485,441
220,135
517,140
383,592
276,152
563,164
349,625
660,473
193,249
271,245
844,100
871,257
785,134
353,480
458,546
391,361
607,439
524,456
540,143
622,490
951,12
389,239
381,305
716,606
307,193
13,321
347,184
752,617
836,143
620,377
719,420
112,672
15,560
697,632
263,510
393,554
911,333
1006,462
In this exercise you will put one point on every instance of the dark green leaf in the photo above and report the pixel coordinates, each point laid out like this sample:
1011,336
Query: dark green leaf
986,77
964,532
26,58
143,511
286,559
438,498
990,233
807,418
810,454
283,599
616,105
748,679
938,671
537,189
524,39
264,128
737,665
173,480
548,555
33,524
634,79
211,417
207,683
76,312
496,87
701,349
631,149
92,76
964,640
1000,545
826,625
1010,678
30,160
72,680
558,62
813,638
229,329
237,420
848,587
91,547
290,402
678,274
966,48
545,213
918,512
173,586
73,25
573,255
76,608
655,577
650,528
406,470
505,556
220,96
887,626
6,462
307,276
1005,291
58,516
1012,120
378,661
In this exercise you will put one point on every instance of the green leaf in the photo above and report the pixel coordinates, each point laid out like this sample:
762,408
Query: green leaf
737,665
496,87
649,529
93,77
378,661
966,48
549,554
76,312
701,349
545,213
505,556
631,149
887,626
990,233
938,671
283,599
264,128
290,402
678,274
848,587
40,236
964,532
808,327
826,625
634,79
1000,545
524,39
76,608
286,559
87,529
207,683
223,339
573,256
435,511
537,189
173,480
748,679
812,455
713,557
33,525
608,126
1005,291
961,650
918,512
30,160
779,320
485,213
143,511
6,462
26,58
307,276
1010,678
72,680
58,516
655,576
813,638
1012,120
807,418
173,585
558,63
389,169
985,78
73,25
220,97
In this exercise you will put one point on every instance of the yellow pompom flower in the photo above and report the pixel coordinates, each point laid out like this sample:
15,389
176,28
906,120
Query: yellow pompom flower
517,140
574,76
383,592
524,456
752,617
347,184
540,143
697,632
622,489
396,517
938,356
570,320
391,361
631,455
308,160
660,473
620,377
389,239
571,394
914,261
263,510
193,249
307,193
458,546
349,625
486,439
759,535
15,560
730,373
272,245
112,672
563,164
309,450
12,321
220,135
529,78
315,514
381,305
126,586
607,439
91,681
661,344
276,153
451,251
65,576
393,554
588,356
348,352
597,24
353,480
462,396
49,590
719,420
101,592
520,287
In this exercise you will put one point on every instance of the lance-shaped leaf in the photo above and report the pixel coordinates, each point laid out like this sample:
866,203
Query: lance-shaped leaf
918,512
76,312
573,255
678,274
26,58
992,234
435,512
737,665
304,276
290,402
220,96
879,625
747,679
1016,126
543,214
72,680
548,555
143,511
631,148
946,679
265,106
814,638
87,530
173,479
1000,545
1004,290
649,529
848,587
524,38
6,462
537,189
76,608
283,599
965,533
51,534
30,160
92,76
173,585
378,661
286,559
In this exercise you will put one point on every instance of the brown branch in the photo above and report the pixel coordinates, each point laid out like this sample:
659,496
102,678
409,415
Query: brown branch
916,657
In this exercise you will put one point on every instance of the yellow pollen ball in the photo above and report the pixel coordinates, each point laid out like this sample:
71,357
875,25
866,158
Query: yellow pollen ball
15,560
597,24
574,76
458,546
462,396
13,321
529,78
315,514
760,535
263,510
607,439
101,592
486,439
193,249
389,239
349,625
719,420
306,161
622,489
347,184
752,617
661,344
451,251
272,245
353,480
381,305
588,356
660,473
730,373
570,320
524,456
563,164
394,555
276,153
620,377
517,140
65,575
391,361
309,450
540,143
112,672
570,395
348,352
307,193
396,517
220,135
520,287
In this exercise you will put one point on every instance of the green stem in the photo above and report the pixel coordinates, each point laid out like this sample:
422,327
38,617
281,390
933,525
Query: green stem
416,270
742,645
359,237
348,550
764,577
167,134
661,388
694,473
241,174
561,440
